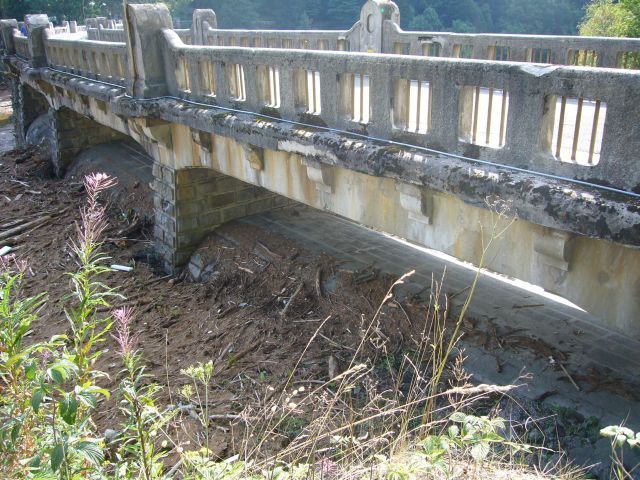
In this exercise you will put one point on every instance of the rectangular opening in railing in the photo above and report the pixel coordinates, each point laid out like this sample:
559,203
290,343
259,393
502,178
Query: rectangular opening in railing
182,76
268,79
463,50
343,44
540,55
412,106
628,60
501,53
307,85
431,49
207,78
573,129
483,116
583,58
236,82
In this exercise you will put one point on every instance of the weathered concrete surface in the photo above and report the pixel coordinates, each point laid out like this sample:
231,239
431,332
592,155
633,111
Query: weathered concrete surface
7,138
433,200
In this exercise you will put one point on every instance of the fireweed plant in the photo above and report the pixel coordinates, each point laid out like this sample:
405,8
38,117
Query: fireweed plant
48,390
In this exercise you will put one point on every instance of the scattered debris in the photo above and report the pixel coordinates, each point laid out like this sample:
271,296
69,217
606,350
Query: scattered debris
292,299
121,268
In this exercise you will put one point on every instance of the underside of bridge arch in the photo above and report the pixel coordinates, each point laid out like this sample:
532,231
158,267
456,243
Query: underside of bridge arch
190,202
203,180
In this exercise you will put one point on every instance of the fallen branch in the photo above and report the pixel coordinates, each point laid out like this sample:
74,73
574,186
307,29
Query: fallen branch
291,300
482,388
569,376
21,228
319,283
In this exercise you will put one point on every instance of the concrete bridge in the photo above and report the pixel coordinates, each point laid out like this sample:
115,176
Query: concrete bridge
406,132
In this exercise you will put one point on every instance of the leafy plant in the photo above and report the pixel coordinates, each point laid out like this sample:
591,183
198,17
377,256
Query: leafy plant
138,455
621,436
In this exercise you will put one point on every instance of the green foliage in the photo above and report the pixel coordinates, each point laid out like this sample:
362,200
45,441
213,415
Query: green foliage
604,18
468,433
139,455
47,389
622,438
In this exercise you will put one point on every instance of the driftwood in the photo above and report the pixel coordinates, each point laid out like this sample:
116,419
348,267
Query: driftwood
25,226
291,299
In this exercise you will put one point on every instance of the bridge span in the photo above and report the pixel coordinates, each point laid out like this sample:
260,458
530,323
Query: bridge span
412,133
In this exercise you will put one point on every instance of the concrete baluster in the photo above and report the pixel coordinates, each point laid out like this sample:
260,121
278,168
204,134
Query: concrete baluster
380,88
223,93
524,119
445,110
193,70
329,96
287,100
253,101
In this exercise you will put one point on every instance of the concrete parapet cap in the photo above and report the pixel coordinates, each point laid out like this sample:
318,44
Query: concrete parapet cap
37,20
9,23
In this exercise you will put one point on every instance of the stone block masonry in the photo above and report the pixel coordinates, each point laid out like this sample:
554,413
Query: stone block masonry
72,133
191,202
27,105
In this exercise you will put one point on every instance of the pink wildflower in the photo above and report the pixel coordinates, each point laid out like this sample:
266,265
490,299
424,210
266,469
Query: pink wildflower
126,341
93,216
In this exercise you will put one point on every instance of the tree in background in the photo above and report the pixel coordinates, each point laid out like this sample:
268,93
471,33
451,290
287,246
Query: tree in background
633,7
558,17
607,19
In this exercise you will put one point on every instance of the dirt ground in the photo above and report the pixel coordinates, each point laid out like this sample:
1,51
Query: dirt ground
237,318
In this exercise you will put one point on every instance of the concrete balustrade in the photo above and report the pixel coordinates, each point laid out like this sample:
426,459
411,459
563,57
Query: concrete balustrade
104,61
21,45
528,119
554,49
297,39
394,141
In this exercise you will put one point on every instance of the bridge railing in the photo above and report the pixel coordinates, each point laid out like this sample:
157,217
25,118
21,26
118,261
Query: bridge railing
106,34
566,121
104,61
621,53
560,50
184,34
292,39
22,44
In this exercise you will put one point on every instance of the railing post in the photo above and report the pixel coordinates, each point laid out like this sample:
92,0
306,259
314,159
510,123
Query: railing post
200,16
6,28
36,26
372,17
143,26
